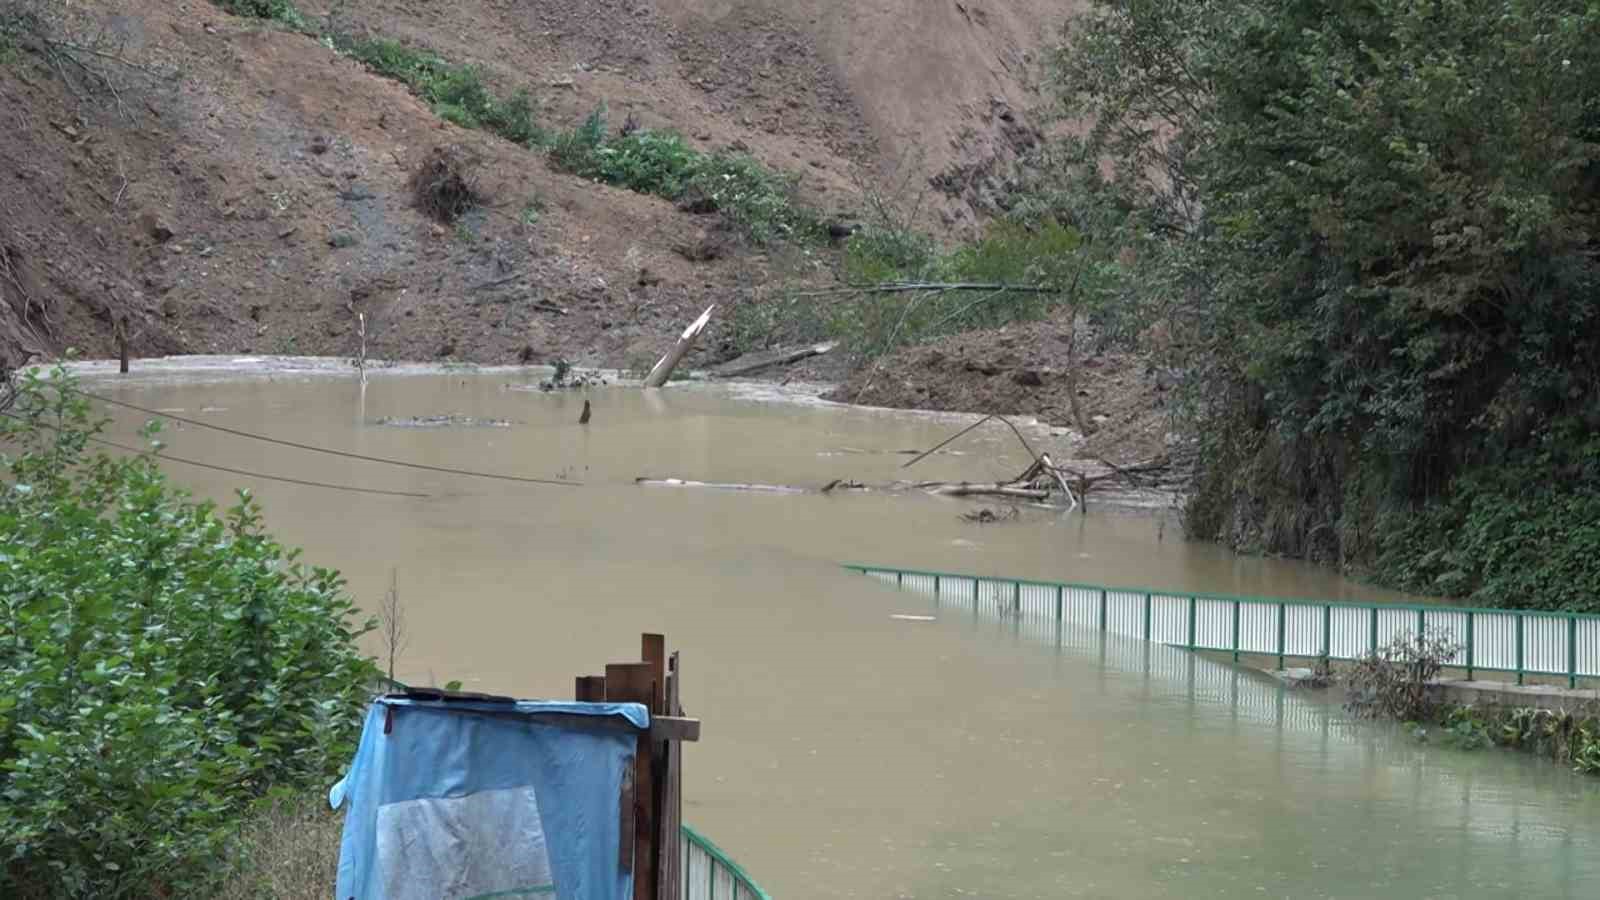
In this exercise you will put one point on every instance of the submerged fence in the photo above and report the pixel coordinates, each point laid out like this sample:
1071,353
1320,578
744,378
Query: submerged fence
1499,640
708,873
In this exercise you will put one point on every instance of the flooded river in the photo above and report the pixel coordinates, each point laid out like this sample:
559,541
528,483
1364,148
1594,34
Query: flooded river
847,753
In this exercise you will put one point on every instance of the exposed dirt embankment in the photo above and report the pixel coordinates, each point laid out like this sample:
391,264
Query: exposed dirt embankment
1022,370
228,186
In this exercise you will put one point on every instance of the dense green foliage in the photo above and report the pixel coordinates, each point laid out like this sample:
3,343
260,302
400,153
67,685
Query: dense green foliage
161,664
755,199
456,93
1566,736
1379,226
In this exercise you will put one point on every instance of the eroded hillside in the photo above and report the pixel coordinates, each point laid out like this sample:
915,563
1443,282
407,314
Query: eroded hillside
212,183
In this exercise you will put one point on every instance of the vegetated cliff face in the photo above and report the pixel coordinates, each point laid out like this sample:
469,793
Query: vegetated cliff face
243,188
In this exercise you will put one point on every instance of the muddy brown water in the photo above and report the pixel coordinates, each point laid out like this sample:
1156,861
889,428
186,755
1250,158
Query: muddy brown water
847,753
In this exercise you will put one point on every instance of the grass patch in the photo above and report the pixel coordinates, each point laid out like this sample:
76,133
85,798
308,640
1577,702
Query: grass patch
287,849
759,201
456,94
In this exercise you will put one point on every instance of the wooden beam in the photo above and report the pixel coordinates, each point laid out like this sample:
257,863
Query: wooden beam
591,689
632,683
674,728
653,650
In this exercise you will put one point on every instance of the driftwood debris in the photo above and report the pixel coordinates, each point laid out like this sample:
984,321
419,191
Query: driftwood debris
721,486
663,370
766,359
986,515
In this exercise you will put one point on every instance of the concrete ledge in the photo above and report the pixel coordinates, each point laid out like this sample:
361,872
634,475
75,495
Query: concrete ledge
1497,693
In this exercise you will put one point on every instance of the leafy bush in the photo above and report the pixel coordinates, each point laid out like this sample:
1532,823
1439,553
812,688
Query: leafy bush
272,10
755,199
1507,536
1571,737
161,663
1393,681
457,94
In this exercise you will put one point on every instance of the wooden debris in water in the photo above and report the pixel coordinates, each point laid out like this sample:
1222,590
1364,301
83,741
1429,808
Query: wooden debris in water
663,370
766,359
986,515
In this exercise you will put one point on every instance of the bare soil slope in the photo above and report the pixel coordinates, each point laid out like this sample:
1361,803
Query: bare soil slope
232,187
1021,370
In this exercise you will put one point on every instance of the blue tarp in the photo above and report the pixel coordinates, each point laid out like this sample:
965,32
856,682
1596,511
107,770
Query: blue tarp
452,800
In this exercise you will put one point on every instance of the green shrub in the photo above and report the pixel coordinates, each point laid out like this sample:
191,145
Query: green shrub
1048,255
1511,536
456,94
1570,737
575,151
161,663
272,10
755,199
877,253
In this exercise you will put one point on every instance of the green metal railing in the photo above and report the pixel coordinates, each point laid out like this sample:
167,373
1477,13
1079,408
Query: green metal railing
1500,640
709,874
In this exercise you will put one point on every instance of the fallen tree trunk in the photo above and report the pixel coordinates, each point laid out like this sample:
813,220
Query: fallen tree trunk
766,359
663,369
989,490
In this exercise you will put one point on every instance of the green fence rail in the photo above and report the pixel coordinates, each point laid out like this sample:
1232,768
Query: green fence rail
1499,640
709,874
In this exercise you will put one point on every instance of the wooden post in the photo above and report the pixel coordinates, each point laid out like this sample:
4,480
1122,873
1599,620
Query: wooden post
653,650
122,346
651,813
671,851
632,683
591,689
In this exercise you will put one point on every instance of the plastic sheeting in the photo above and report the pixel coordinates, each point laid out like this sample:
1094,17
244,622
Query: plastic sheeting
452,800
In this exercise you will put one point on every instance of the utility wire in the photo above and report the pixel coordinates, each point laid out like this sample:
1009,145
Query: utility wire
328,450
246,473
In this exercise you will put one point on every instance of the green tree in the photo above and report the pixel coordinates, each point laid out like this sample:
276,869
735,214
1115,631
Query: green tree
161,664
1379,220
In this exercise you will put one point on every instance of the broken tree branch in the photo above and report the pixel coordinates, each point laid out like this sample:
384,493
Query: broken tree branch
663,369
942,444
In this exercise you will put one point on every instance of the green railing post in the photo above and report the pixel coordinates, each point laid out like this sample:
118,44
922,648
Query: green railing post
1191,622
1469,646
1016,599
936,585
1374,629
1422,622
1280,635
1519,648
1572,651
1147,616
899,579
1236,631
1102,609
1061,610
1327,630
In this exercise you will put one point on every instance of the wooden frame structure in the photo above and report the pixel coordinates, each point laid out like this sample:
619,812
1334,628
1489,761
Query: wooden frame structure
651,806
